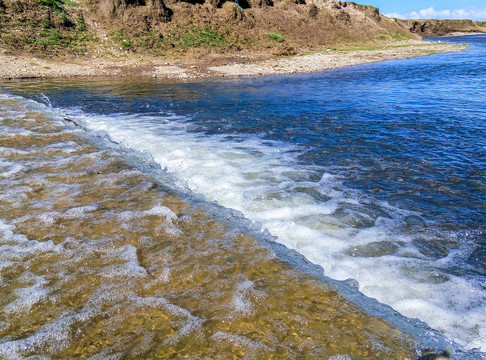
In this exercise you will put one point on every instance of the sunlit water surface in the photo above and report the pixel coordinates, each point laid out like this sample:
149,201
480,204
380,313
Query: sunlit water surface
376,173
100,261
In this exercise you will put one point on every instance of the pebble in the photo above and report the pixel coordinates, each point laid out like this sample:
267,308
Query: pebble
19,67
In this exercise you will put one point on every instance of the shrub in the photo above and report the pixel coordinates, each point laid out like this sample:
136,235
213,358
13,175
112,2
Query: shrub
202,37
276,36
57,6
126,44
50,37
124,41
81,24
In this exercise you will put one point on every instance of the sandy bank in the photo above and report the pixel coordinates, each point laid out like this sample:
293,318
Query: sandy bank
18,67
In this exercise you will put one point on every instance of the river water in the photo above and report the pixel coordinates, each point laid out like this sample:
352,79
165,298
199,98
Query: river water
376,173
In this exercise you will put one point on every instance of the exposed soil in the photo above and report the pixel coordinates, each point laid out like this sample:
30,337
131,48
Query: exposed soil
198,38
14,67
189,28
429,28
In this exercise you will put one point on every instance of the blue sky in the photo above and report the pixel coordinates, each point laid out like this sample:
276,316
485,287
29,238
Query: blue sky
431,9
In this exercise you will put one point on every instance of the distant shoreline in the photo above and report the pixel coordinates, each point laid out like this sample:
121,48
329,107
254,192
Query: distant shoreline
215,66
460,33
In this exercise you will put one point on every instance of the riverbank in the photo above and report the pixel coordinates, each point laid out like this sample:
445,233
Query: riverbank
129,65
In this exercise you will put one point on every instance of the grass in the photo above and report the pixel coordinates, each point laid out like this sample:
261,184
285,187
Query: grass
121,38
202,37
81,24
126,44
57,6
50,37
386,35
37,28
152,42
276,36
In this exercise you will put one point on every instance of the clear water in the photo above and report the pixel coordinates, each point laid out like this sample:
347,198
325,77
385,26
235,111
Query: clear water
99,260
375,172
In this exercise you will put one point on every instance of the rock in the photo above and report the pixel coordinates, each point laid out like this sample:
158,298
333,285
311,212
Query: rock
340,357
440,27
313,11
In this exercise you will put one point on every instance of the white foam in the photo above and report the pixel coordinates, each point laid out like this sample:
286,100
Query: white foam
107,355
52,337
130,268
12,151
16,247
321,218
50,217
163,212
66,146
240,341
79,212
7,169
28,296
240,302
16,131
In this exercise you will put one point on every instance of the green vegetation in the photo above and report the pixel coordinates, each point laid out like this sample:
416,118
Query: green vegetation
57,6
81,24
44,27
121,38
50,37
126,44
276,36
181,28
386,35
45,23
153,42
202,37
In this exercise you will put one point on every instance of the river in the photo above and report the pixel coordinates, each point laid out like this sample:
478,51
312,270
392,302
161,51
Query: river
376,173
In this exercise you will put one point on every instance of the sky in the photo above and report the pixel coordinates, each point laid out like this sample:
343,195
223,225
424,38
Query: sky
431,9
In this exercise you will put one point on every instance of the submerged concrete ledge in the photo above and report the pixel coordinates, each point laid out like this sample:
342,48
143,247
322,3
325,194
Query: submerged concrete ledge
104,259
100,259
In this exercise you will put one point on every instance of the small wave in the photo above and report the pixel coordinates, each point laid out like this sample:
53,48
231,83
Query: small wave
309,209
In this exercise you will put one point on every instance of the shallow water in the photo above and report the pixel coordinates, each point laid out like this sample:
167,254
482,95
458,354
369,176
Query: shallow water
99,260
375,172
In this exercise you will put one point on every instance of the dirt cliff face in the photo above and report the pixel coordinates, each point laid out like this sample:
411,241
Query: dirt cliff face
189,27
430,28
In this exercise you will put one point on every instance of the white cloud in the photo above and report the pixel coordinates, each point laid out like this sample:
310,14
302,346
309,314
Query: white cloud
396,15
431,13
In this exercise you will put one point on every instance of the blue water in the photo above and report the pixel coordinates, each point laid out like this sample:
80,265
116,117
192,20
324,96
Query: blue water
376,172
